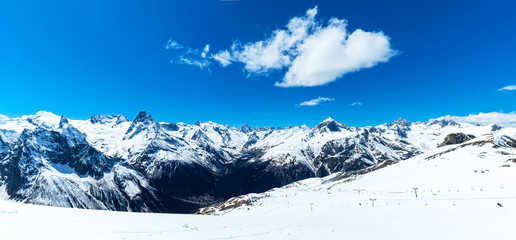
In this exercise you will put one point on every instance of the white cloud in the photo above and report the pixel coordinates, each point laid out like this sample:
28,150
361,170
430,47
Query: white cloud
198,63
356,104
508,88
330,53
278,50
190,56
205,51
313,53
223,57
315,102
502,119
171,44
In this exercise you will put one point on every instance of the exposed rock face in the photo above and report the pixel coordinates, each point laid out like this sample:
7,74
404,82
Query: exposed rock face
456,138
495,127
246,128
104,118
506,141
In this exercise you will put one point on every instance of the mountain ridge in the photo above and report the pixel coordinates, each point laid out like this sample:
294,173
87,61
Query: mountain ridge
178,167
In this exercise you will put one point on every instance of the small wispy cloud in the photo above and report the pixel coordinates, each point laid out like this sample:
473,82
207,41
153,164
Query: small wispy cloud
190,56
172,44
315,102
508,88
355,104
194,62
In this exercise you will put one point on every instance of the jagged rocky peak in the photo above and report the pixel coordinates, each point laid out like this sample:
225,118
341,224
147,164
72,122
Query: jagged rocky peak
251,140
106,118
331,125
246,128
63,122
265,129
400,126
143,117
70,132
495,127
401,122
286,127
443,122
200,136
142,122
456,138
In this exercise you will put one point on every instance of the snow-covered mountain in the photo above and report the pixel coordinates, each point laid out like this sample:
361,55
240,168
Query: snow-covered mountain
464,191
109,162
476,173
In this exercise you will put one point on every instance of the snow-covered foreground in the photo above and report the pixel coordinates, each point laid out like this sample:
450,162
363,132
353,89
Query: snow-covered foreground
411,219
465,191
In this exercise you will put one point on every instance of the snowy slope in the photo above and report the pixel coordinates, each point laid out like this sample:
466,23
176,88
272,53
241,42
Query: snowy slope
481,169
104,132
466,220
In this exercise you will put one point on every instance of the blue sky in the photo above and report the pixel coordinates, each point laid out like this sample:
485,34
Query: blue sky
111,57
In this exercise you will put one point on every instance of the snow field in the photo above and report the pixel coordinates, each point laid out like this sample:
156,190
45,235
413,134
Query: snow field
398,218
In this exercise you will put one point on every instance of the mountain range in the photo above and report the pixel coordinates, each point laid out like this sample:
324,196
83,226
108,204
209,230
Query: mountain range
109,162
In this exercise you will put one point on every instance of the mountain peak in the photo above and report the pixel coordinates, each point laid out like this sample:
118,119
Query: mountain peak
443,122
495,127
44,119
44,114
328,119
105,118
63,122
246,128
400,122
143,117
331,124
142,122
